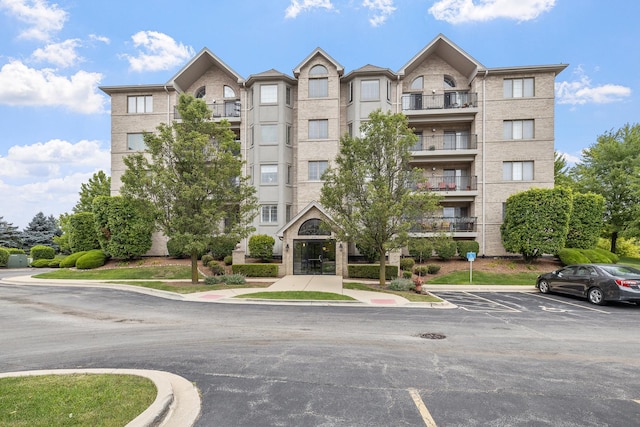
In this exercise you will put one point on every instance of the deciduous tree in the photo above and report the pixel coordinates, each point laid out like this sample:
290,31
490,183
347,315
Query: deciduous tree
98,185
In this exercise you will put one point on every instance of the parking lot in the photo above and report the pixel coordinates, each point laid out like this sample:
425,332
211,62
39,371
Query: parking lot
519,302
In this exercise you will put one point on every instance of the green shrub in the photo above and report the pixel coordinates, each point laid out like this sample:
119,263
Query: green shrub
16,251
228,260
255,270
82,235
175,248
4,257
406,264
407,274
213,280
402,285
234,279
421,270
446,248
595,256
433,268
216,269
371,254
42,252
613,258
624,247
371,271
55,263
222,246
206,259
570,256
261,246
70,260
420,248
40,263
465,246
92,259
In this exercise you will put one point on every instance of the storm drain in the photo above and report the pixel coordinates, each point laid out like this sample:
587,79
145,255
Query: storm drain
432,336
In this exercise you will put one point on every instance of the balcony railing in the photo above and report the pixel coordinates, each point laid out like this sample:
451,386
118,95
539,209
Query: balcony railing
445,224
446,142
222,110
448,183
418,101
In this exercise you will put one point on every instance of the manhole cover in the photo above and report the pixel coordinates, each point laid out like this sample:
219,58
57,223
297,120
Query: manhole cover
432,336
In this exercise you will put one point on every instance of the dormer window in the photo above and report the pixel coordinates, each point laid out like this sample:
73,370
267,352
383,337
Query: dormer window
417,83
449,83
201,92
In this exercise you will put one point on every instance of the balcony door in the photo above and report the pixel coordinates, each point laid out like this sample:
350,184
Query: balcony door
456,140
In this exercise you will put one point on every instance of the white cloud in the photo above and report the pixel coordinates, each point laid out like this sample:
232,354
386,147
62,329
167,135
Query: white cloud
298,6
158,52
382,9
98,38
62,54
42,18
22,85
460,11
570,158
581,91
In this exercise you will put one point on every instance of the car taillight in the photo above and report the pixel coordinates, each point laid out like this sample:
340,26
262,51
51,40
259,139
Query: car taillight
626,283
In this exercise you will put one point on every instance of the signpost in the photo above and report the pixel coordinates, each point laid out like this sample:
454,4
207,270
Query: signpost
471,256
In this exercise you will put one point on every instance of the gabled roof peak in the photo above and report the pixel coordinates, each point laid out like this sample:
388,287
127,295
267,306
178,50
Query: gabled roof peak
197,66
318,51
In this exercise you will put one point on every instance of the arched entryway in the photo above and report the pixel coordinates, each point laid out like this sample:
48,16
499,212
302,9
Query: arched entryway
314,252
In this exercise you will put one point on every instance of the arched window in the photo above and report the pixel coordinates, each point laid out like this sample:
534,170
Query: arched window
449,83
417,83
318,70
229,92
313,227
201,92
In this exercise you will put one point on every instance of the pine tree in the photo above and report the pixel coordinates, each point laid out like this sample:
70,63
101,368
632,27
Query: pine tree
40,231
10,237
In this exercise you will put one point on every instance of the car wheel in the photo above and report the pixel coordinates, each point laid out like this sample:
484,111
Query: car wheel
596,296
543,286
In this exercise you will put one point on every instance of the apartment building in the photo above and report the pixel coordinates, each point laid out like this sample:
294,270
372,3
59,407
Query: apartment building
483,134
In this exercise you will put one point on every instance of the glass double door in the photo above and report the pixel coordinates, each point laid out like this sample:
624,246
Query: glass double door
314,257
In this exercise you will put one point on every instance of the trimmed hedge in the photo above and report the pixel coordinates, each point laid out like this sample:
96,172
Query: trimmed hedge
216,269
55,263
595,256
42,252
70,260
613,258
228,260
465,246
446,248
570,256
16,251
92,259
40,263
406,264
222,246
4,257
371,271
255,270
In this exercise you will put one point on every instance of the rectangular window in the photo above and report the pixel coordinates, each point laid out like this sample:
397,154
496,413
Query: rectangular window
268,174
517,171
289,134
287,95
140,104
287,213
518,129
289,174
251,98
316,169
318,129
350,91
135,142
370,90
319,88
269,134
268,94
519,88
388,90
350,129
269,213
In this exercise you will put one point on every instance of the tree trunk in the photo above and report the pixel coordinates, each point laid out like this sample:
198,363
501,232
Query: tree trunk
383,271
194,268
614,240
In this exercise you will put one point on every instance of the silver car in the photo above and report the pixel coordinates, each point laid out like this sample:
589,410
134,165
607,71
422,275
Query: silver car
598,283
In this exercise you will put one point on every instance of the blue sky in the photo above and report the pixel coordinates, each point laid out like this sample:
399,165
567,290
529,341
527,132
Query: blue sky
55,124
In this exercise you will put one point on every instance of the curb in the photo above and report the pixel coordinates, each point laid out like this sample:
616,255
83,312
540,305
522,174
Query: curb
176,404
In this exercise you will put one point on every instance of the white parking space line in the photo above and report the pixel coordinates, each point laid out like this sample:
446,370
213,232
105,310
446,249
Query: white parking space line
494,302
570,303
637,401
422,408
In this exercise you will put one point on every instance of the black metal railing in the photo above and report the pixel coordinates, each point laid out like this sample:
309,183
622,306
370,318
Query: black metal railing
219,110
448,183
418,101
437,224
462,141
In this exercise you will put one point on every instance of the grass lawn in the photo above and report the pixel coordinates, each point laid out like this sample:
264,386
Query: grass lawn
485,278
411,296
298,295
74,400
187,287
168,272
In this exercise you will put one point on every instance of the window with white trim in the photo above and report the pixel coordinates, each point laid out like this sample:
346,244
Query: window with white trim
268,134
518,129
140,104
319,88
269,213
319,129
268,94
289,135
268,174
135,142
517,171
369,90
287,95
228,92
316,169
519,88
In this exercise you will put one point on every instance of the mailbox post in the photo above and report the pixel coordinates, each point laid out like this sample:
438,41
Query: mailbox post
471,256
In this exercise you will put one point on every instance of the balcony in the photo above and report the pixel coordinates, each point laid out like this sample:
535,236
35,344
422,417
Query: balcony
448,183
448,100
229,110
446,142
446,224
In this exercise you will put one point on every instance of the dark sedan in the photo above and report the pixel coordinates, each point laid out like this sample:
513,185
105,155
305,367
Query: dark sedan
598,283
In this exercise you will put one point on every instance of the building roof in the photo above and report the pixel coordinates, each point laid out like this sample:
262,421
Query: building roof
270,75
318,51
370,70
200,63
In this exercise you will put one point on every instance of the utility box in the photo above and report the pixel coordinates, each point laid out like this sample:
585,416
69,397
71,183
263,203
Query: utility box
17,261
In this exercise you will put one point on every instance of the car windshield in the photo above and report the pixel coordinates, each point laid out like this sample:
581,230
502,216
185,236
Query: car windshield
622,271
